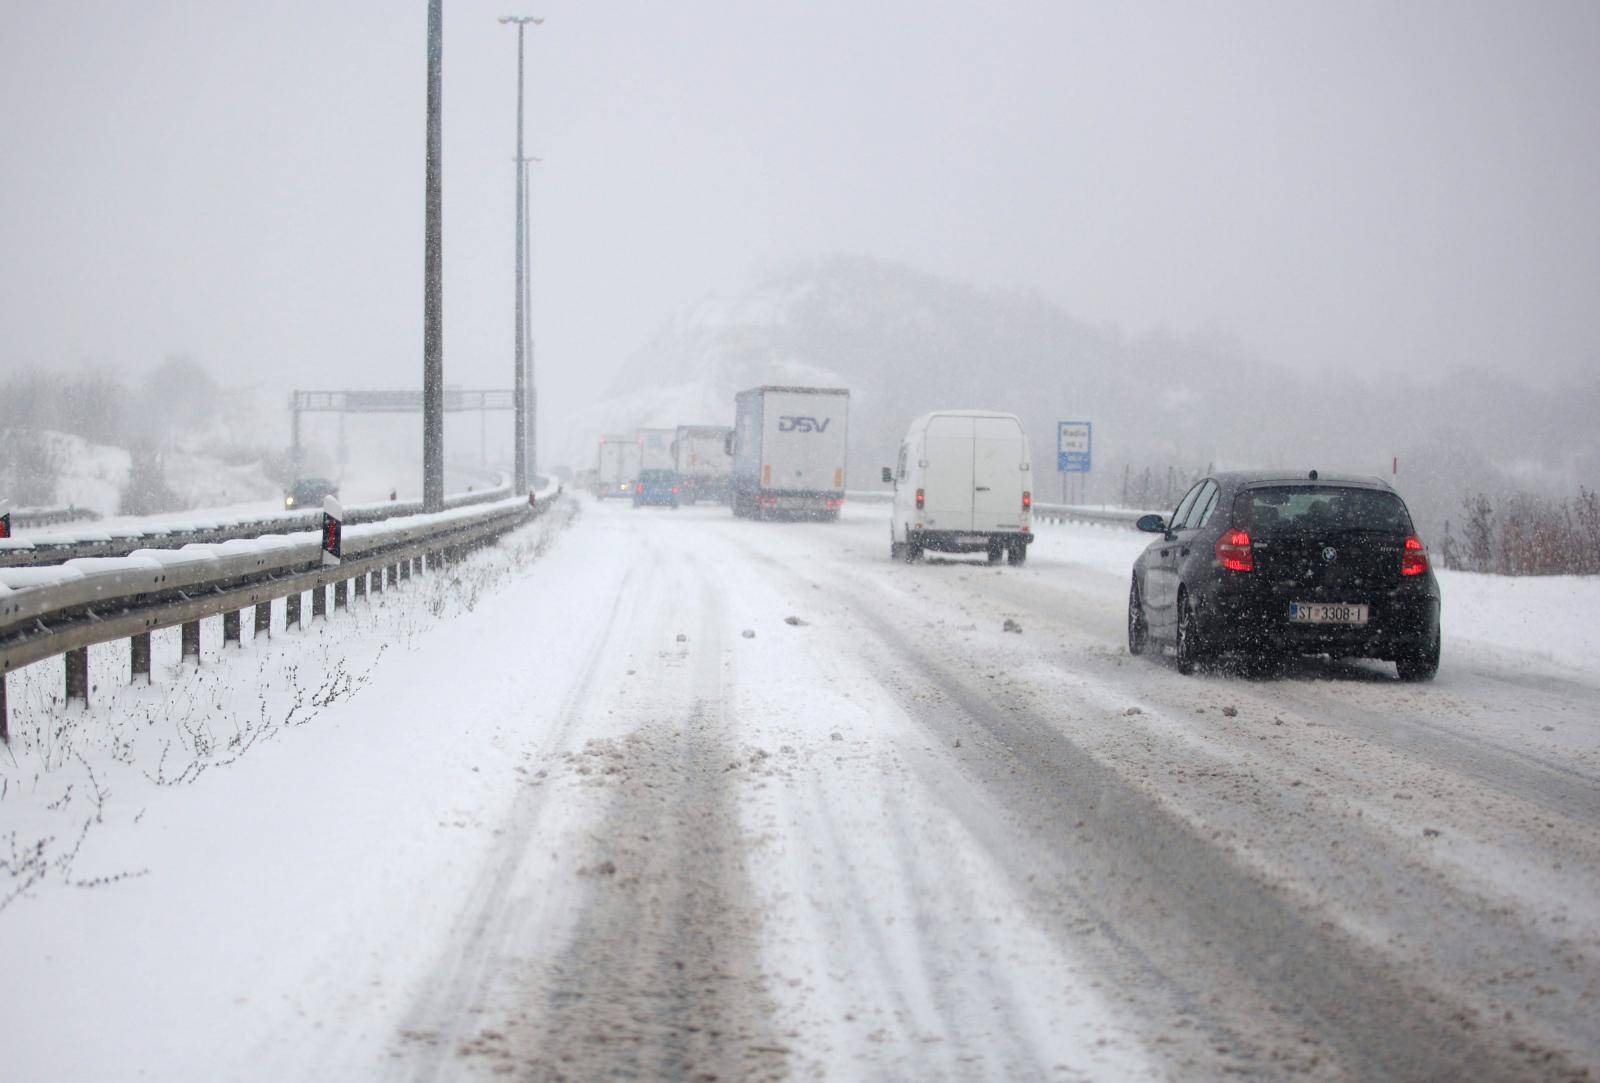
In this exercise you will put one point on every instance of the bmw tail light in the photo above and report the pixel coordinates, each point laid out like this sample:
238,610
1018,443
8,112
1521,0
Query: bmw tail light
1414,557
922,499
1234,552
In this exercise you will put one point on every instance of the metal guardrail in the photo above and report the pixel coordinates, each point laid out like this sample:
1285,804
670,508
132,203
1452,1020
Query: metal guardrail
43,549
65,609
1049,513
33,517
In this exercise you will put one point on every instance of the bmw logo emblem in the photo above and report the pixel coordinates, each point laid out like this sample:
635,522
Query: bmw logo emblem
1330,554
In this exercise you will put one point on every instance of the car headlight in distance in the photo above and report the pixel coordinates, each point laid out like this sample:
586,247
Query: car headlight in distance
288,501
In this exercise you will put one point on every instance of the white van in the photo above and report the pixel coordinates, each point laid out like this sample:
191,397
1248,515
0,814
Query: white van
963,485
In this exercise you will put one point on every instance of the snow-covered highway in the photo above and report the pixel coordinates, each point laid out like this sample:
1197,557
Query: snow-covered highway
680,796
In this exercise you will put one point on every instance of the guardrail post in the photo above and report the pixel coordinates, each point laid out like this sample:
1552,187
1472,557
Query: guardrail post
291,611
264,619
230,626
191,640
341,594
5,718
377,579
139,657
361,585
78,675
319,601
405,568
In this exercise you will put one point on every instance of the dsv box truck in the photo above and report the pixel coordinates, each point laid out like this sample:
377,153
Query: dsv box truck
789,451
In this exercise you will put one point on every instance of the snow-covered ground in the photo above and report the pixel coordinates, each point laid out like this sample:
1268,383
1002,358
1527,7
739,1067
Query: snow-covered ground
590,805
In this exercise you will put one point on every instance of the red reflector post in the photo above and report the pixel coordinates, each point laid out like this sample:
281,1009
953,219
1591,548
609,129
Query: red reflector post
1234,552
1414,557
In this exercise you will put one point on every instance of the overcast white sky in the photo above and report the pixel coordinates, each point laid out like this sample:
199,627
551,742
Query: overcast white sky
1402,185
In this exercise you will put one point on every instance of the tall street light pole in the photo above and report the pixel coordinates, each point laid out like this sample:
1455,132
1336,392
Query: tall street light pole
527,308
520,430
433,281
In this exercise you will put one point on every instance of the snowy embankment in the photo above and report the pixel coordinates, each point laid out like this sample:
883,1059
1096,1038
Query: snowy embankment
181,859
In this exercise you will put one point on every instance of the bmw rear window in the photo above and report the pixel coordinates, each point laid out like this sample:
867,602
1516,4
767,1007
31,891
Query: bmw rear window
1317,509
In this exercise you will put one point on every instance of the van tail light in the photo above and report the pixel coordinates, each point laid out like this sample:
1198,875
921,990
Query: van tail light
1027,500
922,499
1234,552
1414,557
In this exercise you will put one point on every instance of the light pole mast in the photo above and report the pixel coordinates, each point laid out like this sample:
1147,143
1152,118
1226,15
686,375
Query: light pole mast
520,431
433,281
527,325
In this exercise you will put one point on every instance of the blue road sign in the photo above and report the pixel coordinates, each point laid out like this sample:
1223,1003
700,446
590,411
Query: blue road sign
1073,446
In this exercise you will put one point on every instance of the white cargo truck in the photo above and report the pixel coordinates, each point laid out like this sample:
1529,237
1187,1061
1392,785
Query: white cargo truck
705,462
618,467
789,451
963,484
655,449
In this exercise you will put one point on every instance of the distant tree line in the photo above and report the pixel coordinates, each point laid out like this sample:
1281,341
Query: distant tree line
1525,534
146,415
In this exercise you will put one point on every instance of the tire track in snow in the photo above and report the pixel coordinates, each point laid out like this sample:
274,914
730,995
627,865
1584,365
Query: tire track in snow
454,993
660,978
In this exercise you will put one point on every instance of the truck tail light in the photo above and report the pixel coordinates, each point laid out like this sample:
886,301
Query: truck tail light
1414,557
1027,500
1234,552
922,499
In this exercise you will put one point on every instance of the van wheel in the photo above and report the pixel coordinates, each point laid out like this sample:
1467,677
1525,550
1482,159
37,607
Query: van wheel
995,553
896,551
913,552
1018,554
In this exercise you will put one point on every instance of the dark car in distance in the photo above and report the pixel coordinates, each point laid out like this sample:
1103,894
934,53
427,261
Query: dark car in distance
1266,563
308,493
658,487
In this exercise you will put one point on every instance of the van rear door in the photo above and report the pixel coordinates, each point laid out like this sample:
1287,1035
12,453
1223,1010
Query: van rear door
947,479
997,477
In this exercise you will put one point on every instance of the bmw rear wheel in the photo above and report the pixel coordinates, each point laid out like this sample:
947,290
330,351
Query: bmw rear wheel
1419,663
1138,627
1187,643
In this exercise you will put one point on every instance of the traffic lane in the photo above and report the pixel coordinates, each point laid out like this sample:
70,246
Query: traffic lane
1310,808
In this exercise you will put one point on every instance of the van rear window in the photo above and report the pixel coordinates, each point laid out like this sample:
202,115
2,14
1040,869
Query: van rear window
1321,508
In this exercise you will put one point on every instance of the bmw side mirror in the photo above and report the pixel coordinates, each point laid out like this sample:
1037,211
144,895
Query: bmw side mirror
888,475
1152,524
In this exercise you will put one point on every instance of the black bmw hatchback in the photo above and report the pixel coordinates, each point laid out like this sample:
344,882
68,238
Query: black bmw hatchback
1263,563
